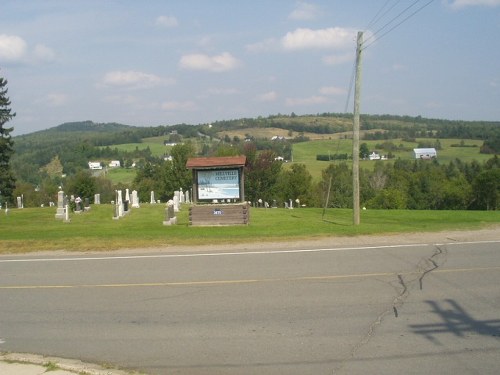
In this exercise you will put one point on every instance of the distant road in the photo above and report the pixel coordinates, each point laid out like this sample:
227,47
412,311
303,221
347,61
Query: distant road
422,308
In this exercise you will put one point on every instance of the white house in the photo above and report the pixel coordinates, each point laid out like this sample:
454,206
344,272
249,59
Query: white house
424,153
95,165
374,156
114,163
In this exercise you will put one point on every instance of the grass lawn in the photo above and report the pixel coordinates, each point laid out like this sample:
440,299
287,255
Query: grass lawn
36,229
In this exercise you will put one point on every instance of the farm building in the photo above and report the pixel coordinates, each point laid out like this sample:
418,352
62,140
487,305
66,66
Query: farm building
95,165
424,153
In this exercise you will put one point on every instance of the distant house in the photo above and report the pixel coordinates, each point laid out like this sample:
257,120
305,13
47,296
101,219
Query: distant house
95,165
374,156
425,153
114,163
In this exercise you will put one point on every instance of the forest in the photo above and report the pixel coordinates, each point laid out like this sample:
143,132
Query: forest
45,160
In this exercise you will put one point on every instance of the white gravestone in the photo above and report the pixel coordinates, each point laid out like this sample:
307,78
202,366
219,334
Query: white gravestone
176,203
135,199
60,205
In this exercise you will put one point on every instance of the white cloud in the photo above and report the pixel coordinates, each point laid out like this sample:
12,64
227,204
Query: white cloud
339,59
304,11
133,79
264,46
43,53
179,105
292,102
218,63
167,21
12,48
333,37
332,90
270,96
459,4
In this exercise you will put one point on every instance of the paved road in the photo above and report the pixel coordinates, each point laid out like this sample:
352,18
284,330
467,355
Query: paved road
409,308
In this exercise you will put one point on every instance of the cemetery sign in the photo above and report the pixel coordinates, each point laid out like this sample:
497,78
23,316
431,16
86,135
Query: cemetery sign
217,178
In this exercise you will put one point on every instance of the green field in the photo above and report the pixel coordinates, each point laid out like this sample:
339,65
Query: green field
155,145
36,229
305,152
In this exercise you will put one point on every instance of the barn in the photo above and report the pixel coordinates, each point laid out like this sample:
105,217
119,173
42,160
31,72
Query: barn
425,153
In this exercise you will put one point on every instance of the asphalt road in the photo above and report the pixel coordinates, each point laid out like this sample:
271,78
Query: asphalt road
422,308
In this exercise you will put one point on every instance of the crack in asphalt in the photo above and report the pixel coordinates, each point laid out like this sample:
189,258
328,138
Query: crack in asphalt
424,267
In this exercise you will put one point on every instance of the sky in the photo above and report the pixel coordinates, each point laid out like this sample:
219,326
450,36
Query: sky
167,62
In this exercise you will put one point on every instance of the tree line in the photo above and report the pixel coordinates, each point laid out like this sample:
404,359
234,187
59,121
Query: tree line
42,158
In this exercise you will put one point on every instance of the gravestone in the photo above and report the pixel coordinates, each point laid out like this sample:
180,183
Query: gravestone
176,203
119,203
170,218
291,205
86,204
19,202
60,205
152,200
181,196
187,198
135,199
97,199
78,205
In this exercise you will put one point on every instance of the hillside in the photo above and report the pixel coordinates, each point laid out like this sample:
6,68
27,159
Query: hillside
76,143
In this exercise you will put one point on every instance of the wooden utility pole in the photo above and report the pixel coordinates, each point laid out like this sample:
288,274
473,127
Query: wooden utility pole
355,135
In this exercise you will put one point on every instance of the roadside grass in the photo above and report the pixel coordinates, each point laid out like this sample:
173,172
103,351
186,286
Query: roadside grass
36,229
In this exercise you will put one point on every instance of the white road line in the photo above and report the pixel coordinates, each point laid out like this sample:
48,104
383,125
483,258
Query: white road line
264,252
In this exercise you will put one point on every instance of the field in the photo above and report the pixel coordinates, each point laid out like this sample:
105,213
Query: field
305,152
36,229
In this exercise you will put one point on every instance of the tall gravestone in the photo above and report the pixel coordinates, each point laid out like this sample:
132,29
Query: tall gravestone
135,199
152,200
97,199
176,203
60,205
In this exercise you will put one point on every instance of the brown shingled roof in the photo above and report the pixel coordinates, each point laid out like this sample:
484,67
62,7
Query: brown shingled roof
216,162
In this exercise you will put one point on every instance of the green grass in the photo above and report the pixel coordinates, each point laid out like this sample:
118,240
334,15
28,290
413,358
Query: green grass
305,152
36,229
155,145
121,175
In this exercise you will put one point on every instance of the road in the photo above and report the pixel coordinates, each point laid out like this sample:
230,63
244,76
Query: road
412,308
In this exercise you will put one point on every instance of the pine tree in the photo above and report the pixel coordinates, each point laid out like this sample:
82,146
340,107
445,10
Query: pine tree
7,180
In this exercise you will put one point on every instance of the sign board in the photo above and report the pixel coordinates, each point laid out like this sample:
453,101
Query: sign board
218,184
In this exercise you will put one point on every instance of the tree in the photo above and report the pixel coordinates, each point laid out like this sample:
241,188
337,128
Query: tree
7,180
82,185
486,188
295,183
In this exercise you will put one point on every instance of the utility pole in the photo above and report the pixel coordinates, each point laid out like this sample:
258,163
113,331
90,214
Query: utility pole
355,131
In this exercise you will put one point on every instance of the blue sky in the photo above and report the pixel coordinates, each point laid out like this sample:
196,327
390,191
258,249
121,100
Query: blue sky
156,62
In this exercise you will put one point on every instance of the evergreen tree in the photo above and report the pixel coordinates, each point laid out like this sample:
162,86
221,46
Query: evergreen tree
7,180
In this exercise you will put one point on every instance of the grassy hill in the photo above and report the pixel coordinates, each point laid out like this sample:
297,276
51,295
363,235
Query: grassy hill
78,142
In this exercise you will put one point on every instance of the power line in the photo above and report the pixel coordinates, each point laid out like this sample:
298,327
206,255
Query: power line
379,16
353,73
396,25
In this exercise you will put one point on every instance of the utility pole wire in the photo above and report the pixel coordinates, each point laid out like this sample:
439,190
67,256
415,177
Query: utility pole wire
398,24
377,18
